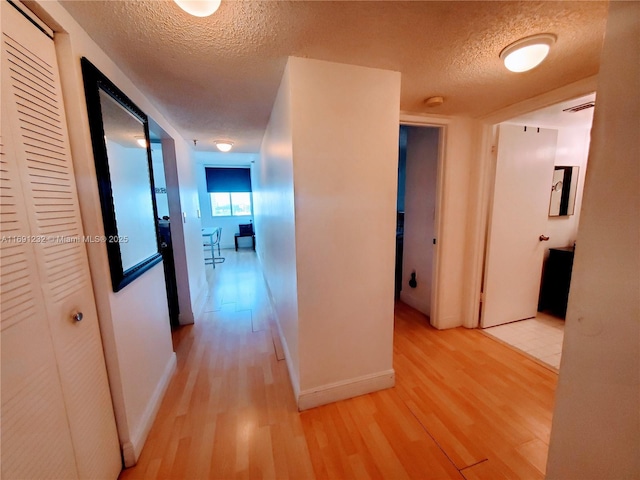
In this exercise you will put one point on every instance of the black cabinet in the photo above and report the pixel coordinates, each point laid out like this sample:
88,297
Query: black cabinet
556,281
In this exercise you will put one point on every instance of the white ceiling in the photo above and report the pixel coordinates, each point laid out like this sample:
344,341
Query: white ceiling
216,77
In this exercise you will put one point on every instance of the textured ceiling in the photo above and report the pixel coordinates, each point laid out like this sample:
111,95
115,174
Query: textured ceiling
216,77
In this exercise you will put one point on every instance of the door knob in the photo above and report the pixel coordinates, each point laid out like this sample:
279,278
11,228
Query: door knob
543,238
78,316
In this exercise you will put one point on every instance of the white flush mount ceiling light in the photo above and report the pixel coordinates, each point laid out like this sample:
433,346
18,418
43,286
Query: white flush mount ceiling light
527,53
223,146
141,142
199,8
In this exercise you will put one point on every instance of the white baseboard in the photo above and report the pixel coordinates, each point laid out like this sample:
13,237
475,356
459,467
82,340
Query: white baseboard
346,389
201,302
131,450
293,376
417,303
186,318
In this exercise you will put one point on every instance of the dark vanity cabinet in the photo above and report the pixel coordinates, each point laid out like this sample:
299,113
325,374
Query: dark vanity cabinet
556,281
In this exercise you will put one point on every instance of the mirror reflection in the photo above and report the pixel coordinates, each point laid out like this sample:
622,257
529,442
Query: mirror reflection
563,191
130,182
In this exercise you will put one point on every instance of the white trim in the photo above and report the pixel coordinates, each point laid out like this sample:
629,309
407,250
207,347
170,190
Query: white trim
423,119
187,318
478,227
133,447
201,301
334,392
442,123
32,16
478,240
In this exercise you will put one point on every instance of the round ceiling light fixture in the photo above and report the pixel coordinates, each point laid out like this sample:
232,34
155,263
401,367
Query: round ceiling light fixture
142,142
223,145
199,8
527,53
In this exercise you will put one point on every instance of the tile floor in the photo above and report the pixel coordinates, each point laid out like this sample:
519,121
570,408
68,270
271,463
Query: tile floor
540,337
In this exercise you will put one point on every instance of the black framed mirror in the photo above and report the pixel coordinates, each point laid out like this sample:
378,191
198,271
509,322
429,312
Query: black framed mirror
563,191
120,139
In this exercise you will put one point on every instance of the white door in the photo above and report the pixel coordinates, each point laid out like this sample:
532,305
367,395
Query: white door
57,416
515,246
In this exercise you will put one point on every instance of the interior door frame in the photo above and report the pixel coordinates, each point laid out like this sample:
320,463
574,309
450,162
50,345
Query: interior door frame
441,123
486,146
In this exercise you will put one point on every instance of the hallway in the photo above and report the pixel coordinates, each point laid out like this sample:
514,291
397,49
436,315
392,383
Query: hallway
464,405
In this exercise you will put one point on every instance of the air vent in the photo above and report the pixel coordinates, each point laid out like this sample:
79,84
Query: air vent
582,106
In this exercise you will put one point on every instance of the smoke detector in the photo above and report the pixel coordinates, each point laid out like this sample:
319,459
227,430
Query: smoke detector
434,101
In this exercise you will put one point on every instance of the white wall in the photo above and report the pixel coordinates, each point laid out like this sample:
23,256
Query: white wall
324,207
274,213
186,229
345,157
454,261
419,218
596,424
140,336
135,334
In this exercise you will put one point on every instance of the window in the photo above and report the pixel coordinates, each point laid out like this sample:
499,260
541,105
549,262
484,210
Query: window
227,204
229,190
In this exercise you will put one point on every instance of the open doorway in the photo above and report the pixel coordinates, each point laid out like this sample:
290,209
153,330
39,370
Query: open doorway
418,161
533,222
164,226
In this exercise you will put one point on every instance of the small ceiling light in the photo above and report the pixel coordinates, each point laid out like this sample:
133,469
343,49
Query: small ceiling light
528,52
223,146
142,142
199,8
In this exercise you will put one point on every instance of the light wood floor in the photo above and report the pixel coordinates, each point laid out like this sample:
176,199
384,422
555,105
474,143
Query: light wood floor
464,405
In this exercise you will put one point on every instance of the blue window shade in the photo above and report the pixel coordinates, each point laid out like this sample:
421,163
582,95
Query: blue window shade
228,179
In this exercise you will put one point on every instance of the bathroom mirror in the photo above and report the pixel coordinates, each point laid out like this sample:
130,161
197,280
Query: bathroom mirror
120,138
563,191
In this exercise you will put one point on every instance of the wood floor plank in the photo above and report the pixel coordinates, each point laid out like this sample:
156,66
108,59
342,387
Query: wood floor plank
486,401
464,405
535,452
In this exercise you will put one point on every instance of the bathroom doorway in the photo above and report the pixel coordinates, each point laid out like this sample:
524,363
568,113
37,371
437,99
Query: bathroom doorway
419,154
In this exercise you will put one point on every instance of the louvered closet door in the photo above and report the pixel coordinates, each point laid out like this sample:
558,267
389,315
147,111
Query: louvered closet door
33,412
34,129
